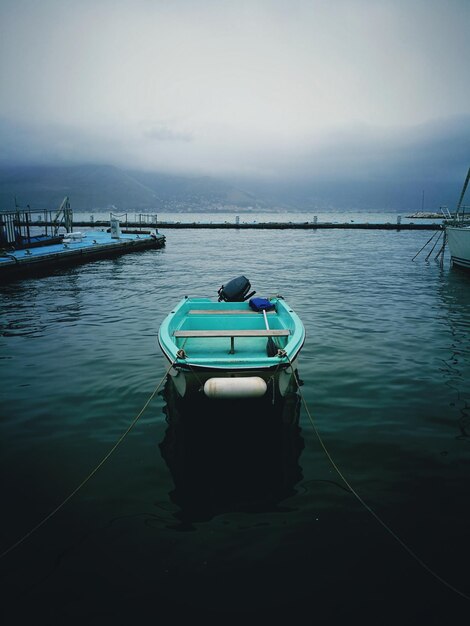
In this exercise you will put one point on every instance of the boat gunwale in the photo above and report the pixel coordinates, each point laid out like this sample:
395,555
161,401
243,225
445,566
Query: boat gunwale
230,362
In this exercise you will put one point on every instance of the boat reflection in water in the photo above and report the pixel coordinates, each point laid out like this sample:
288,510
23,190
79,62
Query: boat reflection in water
231,456
454,293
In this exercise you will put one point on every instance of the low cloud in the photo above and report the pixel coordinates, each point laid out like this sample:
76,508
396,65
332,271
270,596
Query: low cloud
162,132
327,92
357,153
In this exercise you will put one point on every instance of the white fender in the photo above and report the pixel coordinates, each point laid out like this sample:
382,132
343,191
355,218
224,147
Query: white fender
249,387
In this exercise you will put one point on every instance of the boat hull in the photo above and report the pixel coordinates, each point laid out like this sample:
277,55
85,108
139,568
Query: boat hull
458,240
279,381
203,340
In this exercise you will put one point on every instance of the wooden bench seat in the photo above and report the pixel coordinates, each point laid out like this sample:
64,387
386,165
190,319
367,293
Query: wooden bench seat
232,333
187,334
226,312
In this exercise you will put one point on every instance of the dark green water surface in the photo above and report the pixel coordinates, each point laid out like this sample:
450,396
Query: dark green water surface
233,510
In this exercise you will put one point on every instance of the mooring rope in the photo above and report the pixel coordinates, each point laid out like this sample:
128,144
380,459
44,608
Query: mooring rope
428,241
435,244
441,251
93,471
365,505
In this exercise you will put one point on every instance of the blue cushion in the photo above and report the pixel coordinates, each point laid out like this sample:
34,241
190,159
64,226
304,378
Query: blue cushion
261,304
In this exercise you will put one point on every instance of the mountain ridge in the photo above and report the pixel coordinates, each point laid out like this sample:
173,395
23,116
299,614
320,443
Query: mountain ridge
92,187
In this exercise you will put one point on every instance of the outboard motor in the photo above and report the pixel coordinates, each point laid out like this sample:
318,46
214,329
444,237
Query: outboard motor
236,290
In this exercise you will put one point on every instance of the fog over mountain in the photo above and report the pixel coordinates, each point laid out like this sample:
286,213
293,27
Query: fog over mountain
98,187
295,105
93,187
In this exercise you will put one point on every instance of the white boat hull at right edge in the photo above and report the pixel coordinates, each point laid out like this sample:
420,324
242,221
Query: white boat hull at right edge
458,240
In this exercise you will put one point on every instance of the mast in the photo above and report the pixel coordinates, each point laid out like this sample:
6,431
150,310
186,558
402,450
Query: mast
462,196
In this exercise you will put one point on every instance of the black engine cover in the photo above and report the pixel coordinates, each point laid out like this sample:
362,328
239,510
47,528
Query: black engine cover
236,290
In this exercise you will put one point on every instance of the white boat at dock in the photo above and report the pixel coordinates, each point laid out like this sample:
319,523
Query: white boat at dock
458,233
458,240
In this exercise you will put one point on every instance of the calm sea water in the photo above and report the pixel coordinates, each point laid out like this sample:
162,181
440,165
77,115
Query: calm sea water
229,510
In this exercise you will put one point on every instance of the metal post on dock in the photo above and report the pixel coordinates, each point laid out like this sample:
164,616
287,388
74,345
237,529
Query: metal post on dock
115,228
27,217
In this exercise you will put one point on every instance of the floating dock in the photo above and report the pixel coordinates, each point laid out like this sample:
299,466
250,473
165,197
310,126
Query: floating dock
74,248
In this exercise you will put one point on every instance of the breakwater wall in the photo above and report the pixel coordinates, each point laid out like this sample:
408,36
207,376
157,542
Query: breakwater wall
304,226
261,225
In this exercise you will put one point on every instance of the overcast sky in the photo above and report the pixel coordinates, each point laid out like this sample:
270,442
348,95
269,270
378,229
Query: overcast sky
357,88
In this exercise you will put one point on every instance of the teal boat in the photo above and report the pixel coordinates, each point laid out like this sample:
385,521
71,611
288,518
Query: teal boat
231,349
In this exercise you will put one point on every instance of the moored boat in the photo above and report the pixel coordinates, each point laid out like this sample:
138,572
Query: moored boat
458,233
232,348
458,240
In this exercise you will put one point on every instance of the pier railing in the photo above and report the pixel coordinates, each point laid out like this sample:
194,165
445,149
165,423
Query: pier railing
20,227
